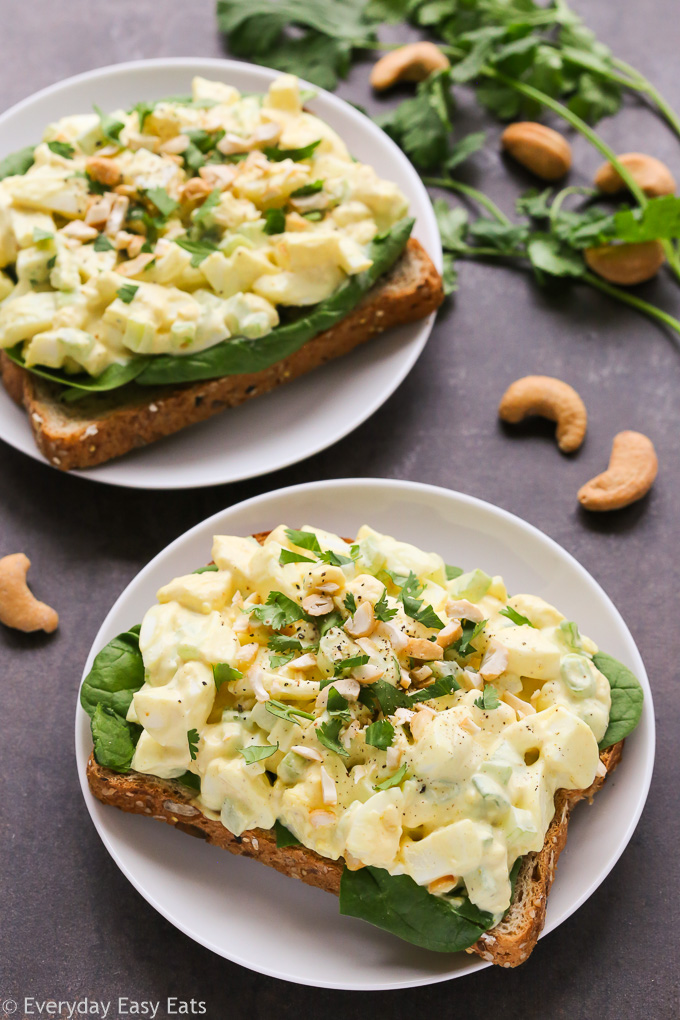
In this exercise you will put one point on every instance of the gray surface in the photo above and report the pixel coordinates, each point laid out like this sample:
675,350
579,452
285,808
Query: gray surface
71,924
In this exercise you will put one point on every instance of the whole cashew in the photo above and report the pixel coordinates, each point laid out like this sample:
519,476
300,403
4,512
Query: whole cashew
541,150
626,264
632,469
18,606
414,62
649,173
550,398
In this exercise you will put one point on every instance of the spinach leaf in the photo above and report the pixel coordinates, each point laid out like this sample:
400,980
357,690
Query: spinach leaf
17,163
396,904
79,386
240,355
627,698
117,672
191,780
114,739
284,837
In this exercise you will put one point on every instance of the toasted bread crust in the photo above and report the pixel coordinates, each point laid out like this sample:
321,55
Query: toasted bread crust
95,430
508,944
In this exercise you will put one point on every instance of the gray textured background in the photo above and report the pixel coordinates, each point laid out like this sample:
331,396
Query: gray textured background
70,923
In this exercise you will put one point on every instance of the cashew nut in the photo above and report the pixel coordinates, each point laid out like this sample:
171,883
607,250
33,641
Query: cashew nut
550,398
649,173
18,606
414,62
537,147
632,469
626,264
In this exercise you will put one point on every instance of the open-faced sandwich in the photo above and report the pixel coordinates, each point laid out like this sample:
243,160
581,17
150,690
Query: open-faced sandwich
161,264
368,719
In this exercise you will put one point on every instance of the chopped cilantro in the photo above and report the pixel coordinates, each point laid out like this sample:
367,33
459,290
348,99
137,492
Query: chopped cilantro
382,610
42,235
193,738
276,154
111,128
516,617
279,611
337,704
275,221
439,689
223,673
343,665
163,202
471,630
204,212
258,752
287,556
488,699
452,572
394,780
127,292
350,603
307,189
380,734
328,733
62,149
287,712
102,243
199,249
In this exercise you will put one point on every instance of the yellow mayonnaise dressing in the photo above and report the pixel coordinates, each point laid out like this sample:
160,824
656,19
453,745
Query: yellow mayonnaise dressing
461,784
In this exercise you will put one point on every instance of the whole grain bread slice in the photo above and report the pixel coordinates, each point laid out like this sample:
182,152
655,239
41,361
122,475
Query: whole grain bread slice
508,944
94,430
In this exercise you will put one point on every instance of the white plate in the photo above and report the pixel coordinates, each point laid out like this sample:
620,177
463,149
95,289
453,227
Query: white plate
282,427
225,902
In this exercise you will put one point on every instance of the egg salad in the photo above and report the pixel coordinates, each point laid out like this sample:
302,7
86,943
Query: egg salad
384,707
175,225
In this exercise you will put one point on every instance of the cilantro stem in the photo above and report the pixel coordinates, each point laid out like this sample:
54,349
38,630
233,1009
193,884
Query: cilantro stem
644,85
580,125
470,192
561,195
629,299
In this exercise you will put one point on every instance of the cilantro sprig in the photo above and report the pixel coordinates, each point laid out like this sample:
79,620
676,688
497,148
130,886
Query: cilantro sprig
279,611
488,699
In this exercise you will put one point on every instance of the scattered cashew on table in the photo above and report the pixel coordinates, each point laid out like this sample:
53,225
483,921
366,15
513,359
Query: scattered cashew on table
632,469
19,608
550,398
633,464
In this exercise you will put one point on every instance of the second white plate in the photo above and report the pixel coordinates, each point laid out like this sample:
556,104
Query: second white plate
282,427
226,903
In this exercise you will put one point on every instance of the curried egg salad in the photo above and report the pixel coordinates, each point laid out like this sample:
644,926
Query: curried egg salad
173,226
384,707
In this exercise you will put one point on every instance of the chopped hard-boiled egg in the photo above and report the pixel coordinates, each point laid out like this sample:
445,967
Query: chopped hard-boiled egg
304,680
179,224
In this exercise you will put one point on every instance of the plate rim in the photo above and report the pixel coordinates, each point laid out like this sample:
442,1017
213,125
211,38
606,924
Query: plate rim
422,329
506,517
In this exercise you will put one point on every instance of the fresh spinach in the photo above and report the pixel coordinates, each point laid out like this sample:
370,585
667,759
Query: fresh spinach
396,904
114,739
627,698
117,672
284,837
240,355
17,163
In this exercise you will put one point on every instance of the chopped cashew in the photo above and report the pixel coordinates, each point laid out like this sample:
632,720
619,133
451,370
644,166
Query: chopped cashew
450,633
19,608
307,752
550,398
329,792
413,62
632,469
104,170
495,661
421,648
523,708
362,623
317,605
462,609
